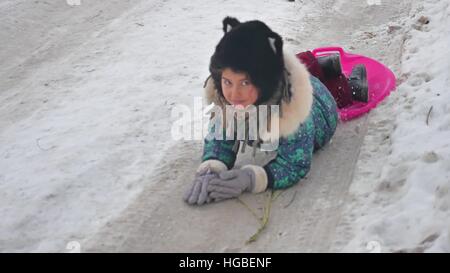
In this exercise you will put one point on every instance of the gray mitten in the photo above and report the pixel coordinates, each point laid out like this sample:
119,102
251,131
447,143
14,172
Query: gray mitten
197,193
231,184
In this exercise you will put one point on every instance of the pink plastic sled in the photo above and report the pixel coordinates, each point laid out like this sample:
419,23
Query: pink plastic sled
381,80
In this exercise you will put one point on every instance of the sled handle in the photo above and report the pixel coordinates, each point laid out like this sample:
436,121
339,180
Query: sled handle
322,50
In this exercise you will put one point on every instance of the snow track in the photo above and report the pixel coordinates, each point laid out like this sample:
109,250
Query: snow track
85,147
305,218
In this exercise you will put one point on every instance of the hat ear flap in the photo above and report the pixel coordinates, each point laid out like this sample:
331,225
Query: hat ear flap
276,43
229,23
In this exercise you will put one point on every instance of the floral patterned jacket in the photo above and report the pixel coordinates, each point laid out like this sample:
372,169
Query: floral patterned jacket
306,124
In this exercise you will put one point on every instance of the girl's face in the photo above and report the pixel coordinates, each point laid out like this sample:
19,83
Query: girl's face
237,88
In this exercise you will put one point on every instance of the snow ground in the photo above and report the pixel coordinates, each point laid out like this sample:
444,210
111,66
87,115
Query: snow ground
402,199
85,153
85,102
308,224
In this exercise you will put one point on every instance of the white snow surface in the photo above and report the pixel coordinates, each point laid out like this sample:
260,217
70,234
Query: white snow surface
401,196
85,103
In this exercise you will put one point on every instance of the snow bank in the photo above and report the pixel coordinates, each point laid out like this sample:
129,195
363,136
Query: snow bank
402,188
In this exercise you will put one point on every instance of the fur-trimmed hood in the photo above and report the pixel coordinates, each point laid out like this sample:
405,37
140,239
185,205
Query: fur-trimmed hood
294,112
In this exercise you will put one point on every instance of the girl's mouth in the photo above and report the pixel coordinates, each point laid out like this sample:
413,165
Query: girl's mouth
238,103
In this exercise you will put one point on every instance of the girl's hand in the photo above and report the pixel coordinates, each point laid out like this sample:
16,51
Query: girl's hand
197,193
231,184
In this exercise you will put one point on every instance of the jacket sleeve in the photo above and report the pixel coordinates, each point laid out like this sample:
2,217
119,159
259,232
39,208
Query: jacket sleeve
293,159
218,154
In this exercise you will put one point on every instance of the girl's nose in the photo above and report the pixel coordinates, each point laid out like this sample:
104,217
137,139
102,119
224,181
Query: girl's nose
236,93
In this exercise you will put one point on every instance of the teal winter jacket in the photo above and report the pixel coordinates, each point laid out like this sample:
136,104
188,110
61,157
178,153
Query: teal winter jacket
308,122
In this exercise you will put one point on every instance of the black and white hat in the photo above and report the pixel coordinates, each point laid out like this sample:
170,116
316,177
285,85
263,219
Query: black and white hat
253,48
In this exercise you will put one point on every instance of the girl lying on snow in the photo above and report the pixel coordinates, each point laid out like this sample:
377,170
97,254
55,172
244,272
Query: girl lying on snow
249,67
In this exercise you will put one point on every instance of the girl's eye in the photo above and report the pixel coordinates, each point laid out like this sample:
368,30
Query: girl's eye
226,82
245,83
